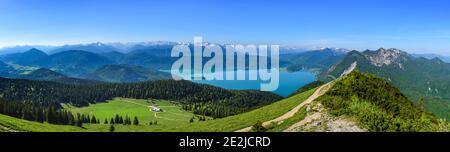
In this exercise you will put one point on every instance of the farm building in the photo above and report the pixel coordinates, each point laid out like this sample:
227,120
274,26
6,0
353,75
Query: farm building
155,109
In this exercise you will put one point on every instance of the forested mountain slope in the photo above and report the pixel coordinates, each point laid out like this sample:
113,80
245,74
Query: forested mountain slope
204,99
415,77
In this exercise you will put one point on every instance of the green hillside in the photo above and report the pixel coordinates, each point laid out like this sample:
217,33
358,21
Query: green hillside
180,120
8,123
200,98
371,101
377,105
250,118
226,124
171,114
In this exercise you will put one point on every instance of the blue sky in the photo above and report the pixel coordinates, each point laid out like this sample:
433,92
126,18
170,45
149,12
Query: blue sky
420,26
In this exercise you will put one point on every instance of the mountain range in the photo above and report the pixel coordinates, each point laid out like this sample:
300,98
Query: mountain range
316,60
119,73
416,77
106,66
81,61
432,56
372,90
97,47
24,58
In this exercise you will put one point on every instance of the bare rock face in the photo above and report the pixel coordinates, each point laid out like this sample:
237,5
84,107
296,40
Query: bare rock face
343,125
318,120
383,57
349,69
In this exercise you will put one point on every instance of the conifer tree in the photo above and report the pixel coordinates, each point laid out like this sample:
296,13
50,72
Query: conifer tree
135,121
111,128
93,120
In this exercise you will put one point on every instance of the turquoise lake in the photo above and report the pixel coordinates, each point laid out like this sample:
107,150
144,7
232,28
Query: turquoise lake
289,82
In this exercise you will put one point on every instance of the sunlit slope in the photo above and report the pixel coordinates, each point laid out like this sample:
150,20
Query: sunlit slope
227,124
11,124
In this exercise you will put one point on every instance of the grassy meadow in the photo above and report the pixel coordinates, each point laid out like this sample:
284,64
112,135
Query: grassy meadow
172,119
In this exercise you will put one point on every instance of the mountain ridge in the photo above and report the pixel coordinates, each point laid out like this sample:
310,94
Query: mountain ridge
416,77
121,73
376,105
24,58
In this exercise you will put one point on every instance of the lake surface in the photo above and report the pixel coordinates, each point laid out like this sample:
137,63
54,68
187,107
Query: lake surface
289,82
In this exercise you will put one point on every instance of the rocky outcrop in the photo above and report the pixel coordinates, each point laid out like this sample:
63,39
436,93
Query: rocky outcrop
349,69
318,120
382,57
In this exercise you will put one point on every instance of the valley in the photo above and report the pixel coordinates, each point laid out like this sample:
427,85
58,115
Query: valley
225,75
177,122
116,86
292,113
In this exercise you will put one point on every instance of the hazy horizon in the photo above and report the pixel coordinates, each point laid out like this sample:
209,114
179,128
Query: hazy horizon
420,27
47,48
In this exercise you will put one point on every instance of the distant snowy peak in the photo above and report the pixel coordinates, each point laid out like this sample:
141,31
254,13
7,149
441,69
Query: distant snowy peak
337,50
153,43
100,44
96,47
